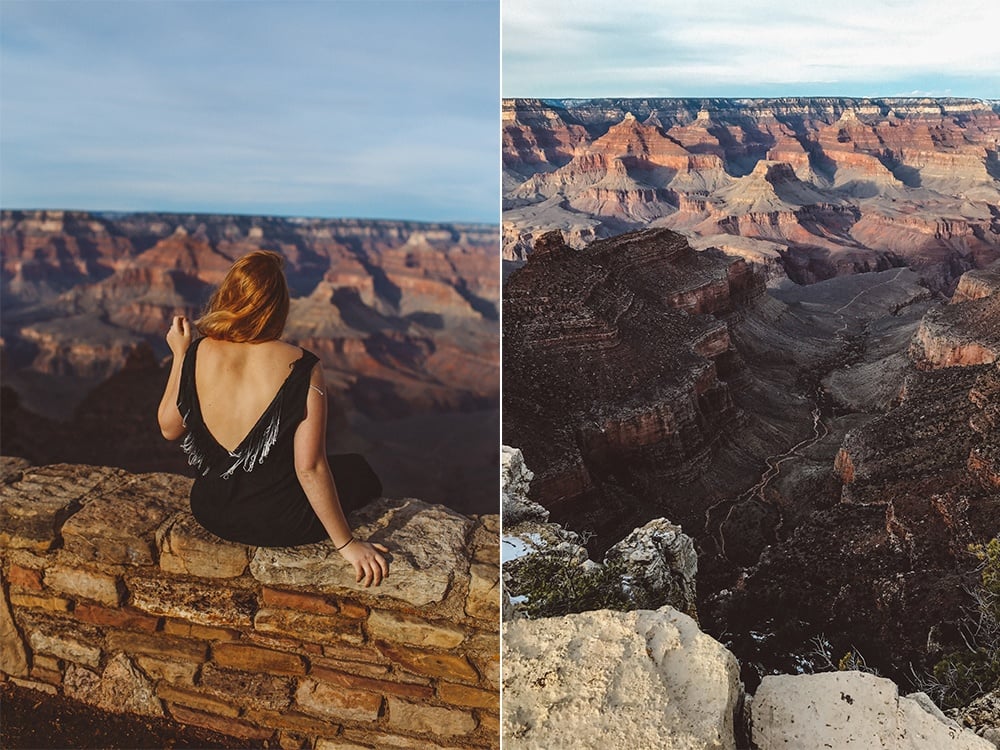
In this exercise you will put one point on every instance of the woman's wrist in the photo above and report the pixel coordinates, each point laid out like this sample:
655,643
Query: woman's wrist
342,546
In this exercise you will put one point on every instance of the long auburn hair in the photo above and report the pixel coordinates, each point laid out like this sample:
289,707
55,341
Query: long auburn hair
251,303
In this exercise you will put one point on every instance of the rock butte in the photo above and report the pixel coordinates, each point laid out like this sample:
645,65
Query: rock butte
807,188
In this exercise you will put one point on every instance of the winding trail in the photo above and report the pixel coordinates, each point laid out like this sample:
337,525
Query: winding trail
773,463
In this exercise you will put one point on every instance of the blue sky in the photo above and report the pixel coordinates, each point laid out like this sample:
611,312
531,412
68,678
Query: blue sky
341,109
747,48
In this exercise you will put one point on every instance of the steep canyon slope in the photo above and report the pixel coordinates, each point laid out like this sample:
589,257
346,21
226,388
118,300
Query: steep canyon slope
403,315
806,188
831,447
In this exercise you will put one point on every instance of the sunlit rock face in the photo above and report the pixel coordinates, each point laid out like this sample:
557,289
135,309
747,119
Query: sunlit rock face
835,185
403,315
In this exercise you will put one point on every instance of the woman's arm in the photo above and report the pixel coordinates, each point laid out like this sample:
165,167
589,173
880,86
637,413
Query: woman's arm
313,471
169,417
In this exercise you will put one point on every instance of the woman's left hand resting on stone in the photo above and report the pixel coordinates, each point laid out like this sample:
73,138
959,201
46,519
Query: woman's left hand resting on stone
313,472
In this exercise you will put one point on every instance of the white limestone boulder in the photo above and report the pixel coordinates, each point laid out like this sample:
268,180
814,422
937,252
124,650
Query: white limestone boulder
604,679
849,709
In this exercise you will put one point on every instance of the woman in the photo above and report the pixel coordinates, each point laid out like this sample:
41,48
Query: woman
252,412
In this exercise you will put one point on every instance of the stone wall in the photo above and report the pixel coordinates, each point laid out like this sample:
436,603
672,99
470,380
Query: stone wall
112,594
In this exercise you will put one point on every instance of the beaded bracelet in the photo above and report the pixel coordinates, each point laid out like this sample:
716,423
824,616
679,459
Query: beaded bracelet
352,539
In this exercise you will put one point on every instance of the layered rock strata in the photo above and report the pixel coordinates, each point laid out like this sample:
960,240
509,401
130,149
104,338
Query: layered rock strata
403,315
113,595
832,185
615,360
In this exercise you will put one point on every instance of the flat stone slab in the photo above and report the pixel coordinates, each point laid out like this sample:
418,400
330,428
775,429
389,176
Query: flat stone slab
849,709
118,526
193,601
187,548
35,507
426,544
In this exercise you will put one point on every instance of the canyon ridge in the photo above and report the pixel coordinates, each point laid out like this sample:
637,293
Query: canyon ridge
403,315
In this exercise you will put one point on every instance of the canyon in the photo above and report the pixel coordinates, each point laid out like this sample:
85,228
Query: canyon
403,315
805,188
830,447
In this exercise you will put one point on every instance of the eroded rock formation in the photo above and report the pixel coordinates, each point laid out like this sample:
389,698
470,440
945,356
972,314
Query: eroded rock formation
809,188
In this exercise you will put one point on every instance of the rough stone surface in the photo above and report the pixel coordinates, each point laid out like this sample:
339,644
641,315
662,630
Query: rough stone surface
254,689
334,702
484,591
617,679
306,626
427,544
849,709
121,688
192,600
430,719
982,716
65,647
79,582
660,559
13,658
117,526
515,479
34,508
398,627
187,548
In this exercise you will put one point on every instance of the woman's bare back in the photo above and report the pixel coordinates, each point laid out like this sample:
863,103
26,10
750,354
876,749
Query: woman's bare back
237,382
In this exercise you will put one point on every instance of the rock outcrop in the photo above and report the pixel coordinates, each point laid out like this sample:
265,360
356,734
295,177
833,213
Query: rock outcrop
617,679
113,595
848,709
835,185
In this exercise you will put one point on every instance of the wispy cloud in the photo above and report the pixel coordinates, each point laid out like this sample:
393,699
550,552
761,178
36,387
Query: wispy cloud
773,47
378,109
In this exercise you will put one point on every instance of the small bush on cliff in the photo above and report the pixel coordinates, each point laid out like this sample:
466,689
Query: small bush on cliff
556,584
965,675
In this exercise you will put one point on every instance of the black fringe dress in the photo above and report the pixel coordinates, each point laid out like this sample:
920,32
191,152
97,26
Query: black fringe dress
252,495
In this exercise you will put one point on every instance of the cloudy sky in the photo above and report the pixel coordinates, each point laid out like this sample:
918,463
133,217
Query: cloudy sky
350,109
736,48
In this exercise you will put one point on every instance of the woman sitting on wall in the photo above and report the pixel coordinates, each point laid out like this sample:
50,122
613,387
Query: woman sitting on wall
252,412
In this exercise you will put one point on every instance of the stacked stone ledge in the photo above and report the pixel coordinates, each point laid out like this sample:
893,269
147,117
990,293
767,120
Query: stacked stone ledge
113,595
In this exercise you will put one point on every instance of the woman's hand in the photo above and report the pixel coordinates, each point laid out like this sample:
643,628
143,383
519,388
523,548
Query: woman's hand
369,564
179,336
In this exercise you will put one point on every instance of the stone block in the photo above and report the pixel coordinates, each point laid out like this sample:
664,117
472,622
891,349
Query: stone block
126,619
463,695
306,626
51,676
41,687
64,646
41,601
249,689
25,578
13,656
121,688
483,600
255,659
350,666
381,687
34,509
293,721
435,720
398,627
174,672
117,526
12,468
186,548
161,646
220,724
194,601
87,584
193,698
430,664
337,703
298,601
204,632
427,544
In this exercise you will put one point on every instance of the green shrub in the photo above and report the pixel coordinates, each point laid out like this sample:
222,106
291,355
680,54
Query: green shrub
965,675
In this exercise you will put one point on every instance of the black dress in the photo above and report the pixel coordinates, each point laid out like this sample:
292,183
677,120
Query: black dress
252,494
